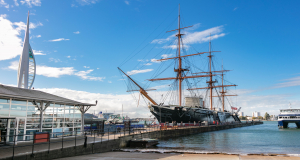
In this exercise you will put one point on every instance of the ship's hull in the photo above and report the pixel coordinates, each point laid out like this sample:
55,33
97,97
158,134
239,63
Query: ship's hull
190,115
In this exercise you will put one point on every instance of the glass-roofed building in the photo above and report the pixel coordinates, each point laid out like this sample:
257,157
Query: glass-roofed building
24,112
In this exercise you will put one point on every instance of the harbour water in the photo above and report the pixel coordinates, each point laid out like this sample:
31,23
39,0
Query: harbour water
258,139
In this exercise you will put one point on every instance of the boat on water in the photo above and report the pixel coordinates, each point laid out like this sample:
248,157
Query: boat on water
192,108
287,116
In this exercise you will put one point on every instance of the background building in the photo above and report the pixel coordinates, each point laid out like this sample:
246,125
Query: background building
24,112
256,114
241,114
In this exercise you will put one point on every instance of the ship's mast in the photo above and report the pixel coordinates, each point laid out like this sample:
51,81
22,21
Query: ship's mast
210,73
179,64
223,93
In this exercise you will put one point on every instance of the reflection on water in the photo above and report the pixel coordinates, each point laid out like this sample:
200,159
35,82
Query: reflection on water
266,138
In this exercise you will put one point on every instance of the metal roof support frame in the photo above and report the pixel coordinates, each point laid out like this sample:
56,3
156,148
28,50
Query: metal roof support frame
83,110
42,108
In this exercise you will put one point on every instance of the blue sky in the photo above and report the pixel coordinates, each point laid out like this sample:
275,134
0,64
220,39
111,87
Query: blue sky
80,43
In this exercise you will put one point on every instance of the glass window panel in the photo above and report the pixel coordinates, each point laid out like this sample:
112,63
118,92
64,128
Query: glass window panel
33,120
4,106
68,124
17,114
21,123
59,105
77,124
76,115
32,126
18,107
11,133
32,108
69,119
68,131
77,120
4,113
48,112
48,120
33,114
47,125
20,134
47,130
57,132
58,122
19,102
59,112
4,100
77,111
12,123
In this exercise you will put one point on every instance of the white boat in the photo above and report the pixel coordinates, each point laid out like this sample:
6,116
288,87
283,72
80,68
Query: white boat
287,116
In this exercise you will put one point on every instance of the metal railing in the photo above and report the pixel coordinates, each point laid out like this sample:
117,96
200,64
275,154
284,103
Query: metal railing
60,140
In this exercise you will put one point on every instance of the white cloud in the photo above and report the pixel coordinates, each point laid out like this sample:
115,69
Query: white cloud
97,68
3,15
194,37
3,3
235,8
127,2
87,2
35,52
54,60
155,60
59,39
86,67
57,72
54,71
84,75
77,32
166,55
31,3
289,83
11,44
106,102
148,64
68,56
16,3
109,81
139,71
38,36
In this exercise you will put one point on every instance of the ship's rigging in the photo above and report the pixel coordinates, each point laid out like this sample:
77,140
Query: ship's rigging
186,73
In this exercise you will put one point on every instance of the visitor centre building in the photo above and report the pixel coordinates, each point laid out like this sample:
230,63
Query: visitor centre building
24,112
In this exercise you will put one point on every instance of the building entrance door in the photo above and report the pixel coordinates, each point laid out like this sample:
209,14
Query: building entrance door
3,130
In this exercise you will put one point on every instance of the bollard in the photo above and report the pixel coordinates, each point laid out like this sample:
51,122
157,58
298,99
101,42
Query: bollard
108,134
85,140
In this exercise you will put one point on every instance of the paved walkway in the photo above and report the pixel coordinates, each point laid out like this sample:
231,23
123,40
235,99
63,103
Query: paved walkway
174,156
58,143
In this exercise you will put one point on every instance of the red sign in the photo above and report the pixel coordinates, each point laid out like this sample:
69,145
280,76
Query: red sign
41,137
234,108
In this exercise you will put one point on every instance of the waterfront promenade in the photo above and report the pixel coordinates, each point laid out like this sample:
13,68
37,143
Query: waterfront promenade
67,147
175,156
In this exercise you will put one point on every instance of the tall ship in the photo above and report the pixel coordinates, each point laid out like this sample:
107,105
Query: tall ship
287,116
201,86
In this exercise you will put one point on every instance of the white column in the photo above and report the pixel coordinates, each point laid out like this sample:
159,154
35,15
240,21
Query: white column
41,115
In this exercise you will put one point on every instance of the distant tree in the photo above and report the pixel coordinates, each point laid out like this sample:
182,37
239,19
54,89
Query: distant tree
260,117
243,118
254,117
267,116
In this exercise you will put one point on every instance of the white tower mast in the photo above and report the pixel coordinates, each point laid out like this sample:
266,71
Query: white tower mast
27,66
